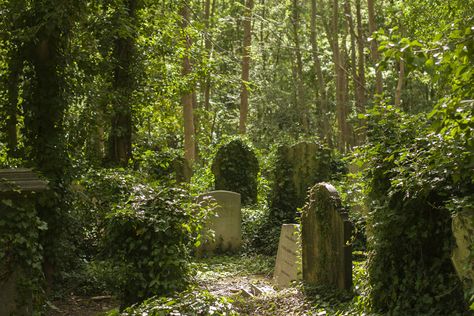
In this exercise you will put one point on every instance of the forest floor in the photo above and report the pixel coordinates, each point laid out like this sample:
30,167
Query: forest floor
245,280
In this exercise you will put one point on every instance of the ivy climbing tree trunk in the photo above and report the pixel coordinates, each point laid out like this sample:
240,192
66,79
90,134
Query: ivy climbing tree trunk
246,50
120,138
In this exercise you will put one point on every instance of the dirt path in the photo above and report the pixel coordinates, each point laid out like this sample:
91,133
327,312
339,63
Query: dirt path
82,306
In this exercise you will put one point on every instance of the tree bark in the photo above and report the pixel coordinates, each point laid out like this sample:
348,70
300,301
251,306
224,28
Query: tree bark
246,49
401,76
300,93
14,70
187,98
120,139
325,131
374,48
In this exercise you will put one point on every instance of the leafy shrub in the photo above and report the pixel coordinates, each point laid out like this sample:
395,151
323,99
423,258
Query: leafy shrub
235,168
413,174
148,239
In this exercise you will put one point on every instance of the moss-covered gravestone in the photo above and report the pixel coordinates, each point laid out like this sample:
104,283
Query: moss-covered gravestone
235,169
326,231
297,168
20,251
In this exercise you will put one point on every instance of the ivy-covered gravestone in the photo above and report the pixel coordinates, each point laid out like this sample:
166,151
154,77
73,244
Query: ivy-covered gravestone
326,232
297,168
235,169
20,251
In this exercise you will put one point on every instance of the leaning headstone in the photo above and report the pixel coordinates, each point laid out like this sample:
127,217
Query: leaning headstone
297,168
326,232
225,225
463,231
288,260
235,169
17,205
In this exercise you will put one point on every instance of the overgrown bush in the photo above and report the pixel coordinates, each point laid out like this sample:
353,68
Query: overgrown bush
236,168
148,239
414,176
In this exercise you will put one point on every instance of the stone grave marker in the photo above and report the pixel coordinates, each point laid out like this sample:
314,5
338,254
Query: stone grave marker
226,225
288,260
326,232
17,186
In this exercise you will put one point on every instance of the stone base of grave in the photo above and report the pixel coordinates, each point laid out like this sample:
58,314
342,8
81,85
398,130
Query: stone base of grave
288,261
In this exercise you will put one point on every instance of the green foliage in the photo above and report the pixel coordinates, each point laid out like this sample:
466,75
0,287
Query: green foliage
216,268
190,302
412,179
21,253
148,238
235,168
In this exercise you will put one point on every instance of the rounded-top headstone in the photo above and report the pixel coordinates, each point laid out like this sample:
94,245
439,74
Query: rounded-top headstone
326,232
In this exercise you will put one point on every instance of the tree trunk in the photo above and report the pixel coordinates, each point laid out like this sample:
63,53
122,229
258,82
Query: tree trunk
120,139
374,48
208,48
338,59
14,71
246,49
325,131
401,75
187,98
300,93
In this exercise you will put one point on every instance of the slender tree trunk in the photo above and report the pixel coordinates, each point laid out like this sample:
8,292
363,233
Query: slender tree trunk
401,75
187,98
361,97
338,59
15,68
120,139
325,130
246,49
300,93
374,48
208,48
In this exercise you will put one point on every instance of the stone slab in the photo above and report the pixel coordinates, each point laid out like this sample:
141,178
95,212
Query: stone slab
226,225
288,261
326,233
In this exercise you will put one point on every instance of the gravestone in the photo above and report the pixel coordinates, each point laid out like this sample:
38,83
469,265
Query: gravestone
326,232
17,189
235,168
297,168
226,224
463,231
288,260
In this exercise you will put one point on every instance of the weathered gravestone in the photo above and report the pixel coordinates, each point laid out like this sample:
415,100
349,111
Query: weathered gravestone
297,168
226,225
326,231
18,217
235,169
288,260
463,231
